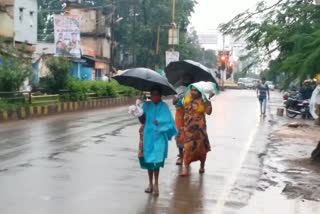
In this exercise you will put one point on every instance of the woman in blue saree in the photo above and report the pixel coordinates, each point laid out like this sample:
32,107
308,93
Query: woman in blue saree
158,128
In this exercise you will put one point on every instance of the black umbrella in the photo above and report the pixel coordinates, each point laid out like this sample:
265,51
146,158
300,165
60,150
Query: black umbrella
175,71
144,79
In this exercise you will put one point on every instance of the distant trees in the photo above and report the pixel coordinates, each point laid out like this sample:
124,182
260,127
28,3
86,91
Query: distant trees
288,34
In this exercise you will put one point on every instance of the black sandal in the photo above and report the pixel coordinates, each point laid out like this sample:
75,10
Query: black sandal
149,190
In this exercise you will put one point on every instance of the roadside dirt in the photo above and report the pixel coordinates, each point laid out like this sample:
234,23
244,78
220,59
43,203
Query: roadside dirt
288,162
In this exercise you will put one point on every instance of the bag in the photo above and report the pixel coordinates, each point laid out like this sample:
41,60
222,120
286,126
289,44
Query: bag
136,110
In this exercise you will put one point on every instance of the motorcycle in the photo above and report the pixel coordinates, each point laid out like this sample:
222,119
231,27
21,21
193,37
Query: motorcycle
289,94
295,107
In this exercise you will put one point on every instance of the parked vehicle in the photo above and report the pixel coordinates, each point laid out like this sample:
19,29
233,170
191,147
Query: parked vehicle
249,83
241,82
270,85
295,107
287,95
256,82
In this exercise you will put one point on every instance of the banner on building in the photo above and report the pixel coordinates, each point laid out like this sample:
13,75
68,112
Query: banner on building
172,56
67,36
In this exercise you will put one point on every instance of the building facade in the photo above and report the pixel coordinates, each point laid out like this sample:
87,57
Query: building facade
26,21
95,41
19,20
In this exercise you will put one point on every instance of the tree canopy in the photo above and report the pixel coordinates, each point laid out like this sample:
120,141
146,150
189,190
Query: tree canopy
287,32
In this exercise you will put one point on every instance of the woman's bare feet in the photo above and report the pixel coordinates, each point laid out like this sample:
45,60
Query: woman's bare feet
201,170
156,190
185,174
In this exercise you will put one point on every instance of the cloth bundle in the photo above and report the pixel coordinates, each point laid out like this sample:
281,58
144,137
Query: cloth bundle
136,110
208,88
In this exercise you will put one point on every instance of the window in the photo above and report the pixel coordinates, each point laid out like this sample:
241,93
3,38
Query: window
21,14
31,18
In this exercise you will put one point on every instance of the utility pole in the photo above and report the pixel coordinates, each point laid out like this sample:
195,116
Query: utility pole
173,27
134,33
173,22
112,38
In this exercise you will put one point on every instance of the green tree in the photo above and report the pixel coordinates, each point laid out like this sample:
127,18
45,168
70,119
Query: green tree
149,15
288,34
210,58
15,67
47,10
58,77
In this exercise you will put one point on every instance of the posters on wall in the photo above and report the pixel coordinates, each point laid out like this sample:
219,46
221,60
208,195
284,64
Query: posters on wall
172,56
67,36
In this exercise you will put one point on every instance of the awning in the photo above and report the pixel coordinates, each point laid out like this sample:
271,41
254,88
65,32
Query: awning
96,59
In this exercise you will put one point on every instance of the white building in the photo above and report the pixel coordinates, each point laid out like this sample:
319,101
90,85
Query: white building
26,21
19,20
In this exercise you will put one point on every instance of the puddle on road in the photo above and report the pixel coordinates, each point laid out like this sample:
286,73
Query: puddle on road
290,180
271,201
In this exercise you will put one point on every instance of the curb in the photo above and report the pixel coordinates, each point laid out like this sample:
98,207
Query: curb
53,109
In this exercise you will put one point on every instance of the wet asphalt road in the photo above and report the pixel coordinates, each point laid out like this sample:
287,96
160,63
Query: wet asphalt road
87,163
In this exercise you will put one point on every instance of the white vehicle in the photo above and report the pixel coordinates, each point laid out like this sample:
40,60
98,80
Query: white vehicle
241,82
270,85
249,83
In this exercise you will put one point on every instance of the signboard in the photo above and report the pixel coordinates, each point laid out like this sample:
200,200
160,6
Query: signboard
172,56
208,38
100,65
67,36
173,36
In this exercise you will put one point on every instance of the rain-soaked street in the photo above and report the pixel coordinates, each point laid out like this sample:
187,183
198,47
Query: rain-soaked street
87,162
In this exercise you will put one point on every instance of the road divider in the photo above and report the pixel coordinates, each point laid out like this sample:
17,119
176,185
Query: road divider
58,108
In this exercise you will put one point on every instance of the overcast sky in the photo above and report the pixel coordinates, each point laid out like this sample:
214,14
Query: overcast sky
210,13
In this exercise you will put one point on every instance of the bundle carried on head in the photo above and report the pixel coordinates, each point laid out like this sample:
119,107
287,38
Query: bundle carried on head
207,90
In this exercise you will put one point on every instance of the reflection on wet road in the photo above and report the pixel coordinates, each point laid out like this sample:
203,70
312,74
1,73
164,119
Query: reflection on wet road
87,163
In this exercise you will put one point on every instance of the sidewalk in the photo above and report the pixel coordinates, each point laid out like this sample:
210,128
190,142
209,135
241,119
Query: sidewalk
290,180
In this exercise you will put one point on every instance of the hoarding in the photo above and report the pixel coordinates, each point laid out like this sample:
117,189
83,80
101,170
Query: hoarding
208,38
172,56
67,36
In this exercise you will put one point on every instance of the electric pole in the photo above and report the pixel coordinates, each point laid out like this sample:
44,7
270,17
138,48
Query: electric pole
134,33
112,38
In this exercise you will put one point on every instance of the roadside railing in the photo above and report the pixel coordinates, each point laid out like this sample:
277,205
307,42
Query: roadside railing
32,98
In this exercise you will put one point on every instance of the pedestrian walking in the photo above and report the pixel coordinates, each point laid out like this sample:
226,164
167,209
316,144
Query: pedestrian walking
158,127
193,134
262,93
178,103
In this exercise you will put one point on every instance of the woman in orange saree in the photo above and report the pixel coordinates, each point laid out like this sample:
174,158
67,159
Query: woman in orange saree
193,134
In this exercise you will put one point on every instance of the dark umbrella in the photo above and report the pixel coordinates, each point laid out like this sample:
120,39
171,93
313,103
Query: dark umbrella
175,71
144,79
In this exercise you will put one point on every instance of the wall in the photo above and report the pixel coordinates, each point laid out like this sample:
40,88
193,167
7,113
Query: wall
6,18
81,72
87,19
100,45
25,21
